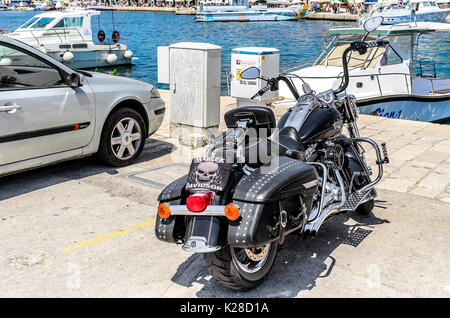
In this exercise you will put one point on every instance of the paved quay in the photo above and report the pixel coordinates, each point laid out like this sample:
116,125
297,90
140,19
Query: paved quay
82,229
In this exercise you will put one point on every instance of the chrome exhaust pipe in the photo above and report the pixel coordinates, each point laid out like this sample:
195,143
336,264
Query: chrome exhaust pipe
330,210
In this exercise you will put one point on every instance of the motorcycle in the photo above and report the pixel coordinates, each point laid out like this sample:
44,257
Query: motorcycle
260,181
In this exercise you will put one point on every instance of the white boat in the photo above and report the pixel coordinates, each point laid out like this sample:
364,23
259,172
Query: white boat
389,81
4,7
415,11
67,36
241,11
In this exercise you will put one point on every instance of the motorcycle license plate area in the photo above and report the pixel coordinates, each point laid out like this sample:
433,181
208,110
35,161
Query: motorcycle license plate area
210,174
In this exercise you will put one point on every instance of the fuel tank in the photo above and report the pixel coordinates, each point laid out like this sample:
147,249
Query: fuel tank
322,124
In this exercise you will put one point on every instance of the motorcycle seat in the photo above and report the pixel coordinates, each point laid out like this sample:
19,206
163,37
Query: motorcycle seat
289,139
257,117
287,144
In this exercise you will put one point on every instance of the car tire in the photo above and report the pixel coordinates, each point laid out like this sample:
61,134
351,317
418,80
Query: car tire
123,137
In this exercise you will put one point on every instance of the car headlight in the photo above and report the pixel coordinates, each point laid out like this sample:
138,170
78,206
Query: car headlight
155,93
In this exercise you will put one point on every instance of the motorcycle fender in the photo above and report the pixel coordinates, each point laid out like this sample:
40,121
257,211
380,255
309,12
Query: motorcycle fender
288,185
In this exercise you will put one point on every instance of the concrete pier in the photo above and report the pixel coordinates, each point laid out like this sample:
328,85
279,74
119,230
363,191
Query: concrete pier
87,230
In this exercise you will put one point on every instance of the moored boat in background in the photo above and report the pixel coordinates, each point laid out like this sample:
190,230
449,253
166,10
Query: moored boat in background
395,81
67,36
415,11
240,11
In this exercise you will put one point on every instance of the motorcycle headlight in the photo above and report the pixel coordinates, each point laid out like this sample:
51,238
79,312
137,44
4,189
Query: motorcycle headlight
155,93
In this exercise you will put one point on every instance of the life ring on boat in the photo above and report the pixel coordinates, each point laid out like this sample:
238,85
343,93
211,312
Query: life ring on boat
115,37
101,36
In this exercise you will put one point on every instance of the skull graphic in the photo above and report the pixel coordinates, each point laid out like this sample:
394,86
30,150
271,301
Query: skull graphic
206,172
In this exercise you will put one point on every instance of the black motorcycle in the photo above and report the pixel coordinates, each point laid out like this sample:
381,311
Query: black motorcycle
260,181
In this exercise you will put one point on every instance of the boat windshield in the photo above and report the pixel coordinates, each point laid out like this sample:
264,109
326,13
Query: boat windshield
29,23
42,23
367,60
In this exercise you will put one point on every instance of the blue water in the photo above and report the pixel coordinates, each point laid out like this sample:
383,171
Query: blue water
299,42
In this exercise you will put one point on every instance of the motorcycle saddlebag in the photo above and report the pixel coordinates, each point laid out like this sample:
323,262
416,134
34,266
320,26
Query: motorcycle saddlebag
171,229
284,184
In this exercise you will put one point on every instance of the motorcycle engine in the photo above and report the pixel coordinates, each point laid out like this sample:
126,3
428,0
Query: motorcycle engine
334,156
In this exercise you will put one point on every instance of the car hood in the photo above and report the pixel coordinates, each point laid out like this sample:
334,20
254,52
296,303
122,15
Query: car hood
113,84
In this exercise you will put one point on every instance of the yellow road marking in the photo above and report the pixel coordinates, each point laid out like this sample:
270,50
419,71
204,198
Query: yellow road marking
110,236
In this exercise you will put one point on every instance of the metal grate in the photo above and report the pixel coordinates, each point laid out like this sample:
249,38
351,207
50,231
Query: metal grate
353,200
356,237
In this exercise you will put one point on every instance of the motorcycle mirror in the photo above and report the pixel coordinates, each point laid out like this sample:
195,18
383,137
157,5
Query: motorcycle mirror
250,73
373,23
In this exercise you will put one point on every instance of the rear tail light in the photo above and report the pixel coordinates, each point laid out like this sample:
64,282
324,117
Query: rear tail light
199,201
231,212
163,211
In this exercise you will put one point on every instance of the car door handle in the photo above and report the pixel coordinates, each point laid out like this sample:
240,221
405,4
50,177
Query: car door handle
10,109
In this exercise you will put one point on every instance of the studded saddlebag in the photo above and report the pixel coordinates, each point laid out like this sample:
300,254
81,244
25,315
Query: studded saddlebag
284,185
171,229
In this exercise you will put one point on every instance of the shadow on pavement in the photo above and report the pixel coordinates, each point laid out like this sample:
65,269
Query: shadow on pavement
31,180
299,264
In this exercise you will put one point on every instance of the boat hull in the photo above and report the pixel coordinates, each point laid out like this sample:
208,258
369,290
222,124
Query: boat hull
434,108
243,17
439,16
90,59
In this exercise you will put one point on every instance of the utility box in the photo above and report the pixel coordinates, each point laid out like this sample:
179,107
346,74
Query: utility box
194,89
267,60
162,55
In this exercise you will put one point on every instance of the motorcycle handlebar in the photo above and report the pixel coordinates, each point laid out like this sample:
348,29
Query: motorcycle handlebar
361,47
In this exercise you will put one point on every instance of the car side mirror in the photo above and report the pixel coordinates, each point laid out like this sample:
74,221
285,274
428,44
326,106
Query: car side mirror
75,80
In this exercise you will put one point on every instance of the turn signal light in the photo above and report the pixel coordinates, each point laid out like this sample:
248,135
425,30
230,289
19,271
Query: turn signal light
231,212
163,211
199,201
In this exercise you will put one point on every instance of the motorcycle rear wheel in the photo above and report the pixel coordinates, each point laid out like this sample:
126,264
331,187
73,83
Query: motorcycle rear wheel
241,269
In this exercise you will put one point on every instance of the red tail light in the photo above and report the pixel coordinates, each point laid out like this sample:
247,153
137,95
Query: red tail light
199,201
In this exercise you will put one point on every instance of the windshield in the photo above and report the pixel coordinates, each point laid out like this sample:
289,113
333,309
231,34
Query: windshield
29,22
367,60
42,23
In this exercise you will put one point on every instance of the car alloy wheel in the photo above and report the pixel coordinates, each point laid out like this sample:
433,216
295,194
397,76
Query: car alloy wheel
126,138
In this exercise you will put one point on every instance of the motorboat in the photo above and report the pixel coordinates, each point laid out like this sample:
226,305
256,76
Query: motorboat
415,11
4,7
67,36
241,11
398,80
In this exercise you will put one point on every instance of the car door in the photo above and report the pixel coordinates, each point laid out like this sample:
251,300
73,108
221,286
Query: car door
39,113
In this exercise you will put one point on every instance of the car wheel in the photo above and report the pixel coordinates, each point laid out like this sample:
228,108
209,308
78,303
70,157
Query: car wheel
123,137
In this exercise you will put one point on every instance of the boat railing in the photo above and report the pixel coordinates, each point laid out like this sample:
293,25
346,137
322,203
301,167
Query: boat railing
61,33
428,86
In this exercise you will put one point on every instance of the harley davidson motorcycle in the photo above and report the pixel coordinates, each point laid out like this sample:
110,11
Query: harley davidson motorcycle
260,181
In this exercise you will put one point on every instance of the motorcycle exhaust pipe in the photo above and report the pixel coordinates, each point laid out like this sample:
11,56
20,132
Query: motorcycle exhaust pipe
332,209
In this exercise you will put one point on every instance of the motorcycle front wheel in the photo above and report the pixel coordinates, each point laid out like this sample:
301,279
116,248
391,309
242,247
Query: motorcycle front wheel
241,268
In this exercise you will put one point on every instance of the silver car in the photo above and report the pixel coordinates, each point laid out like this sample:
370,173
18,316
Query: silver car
50,112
